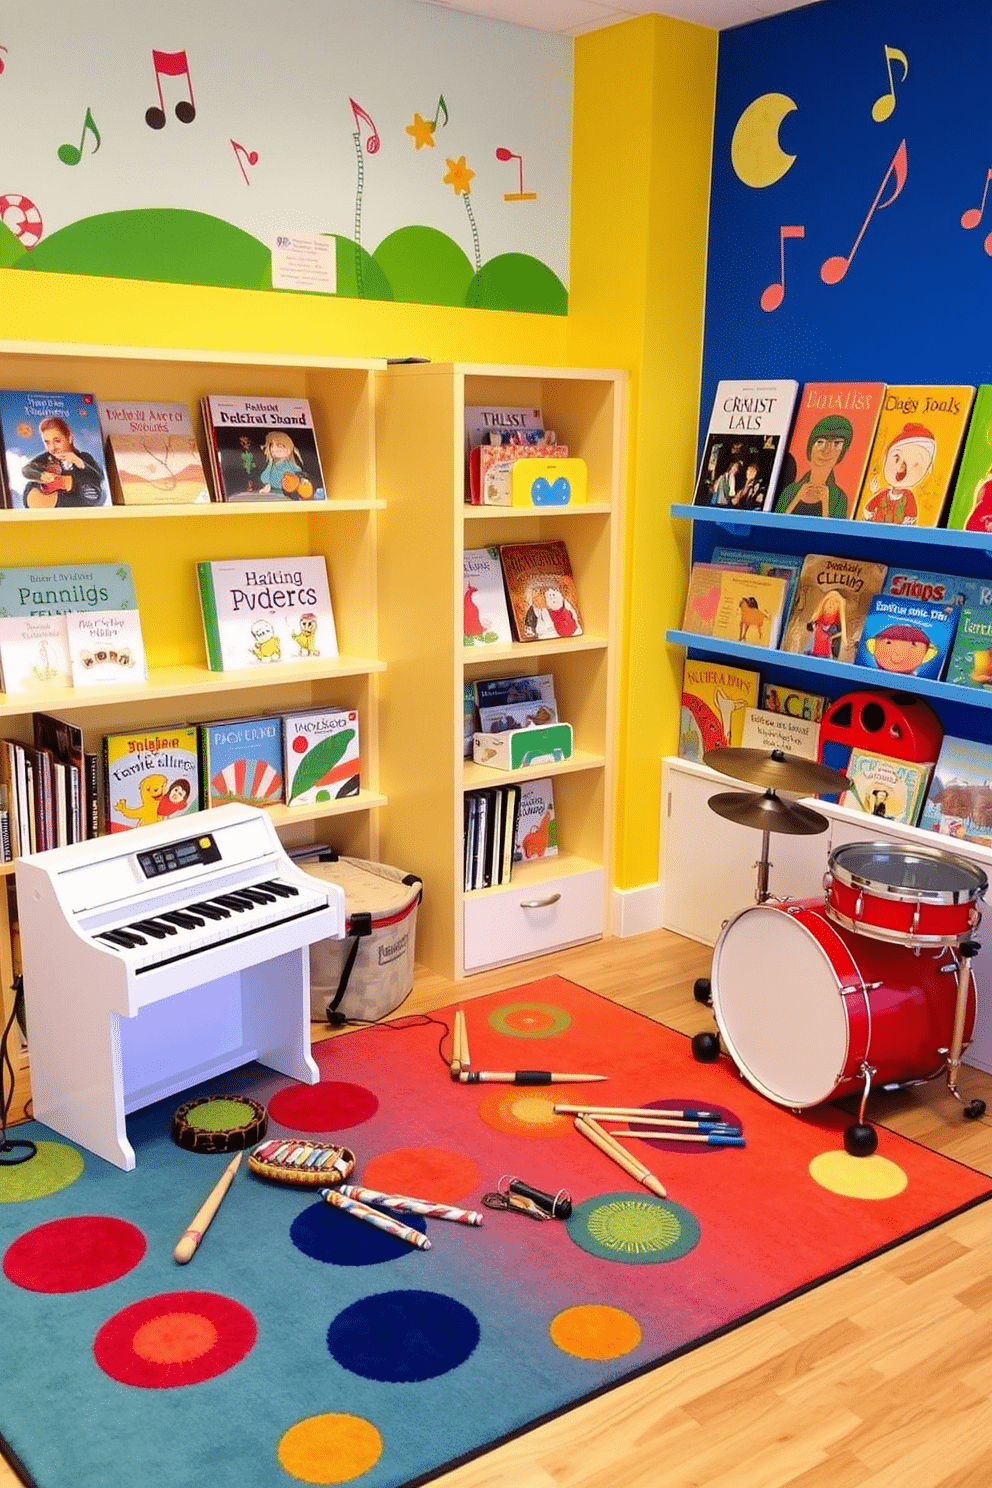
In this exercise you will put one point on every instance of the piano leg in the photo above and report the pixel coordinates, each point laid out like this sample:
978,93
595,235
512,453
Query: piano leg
276,1010
77,1083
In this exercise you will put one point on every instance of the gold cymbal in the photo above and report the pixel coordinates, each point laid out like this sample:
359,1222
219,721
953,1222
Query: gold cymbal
776,770
769,813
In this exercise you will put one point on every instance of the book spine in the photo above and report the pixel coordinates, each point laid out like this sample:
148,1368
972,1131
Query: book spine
208,607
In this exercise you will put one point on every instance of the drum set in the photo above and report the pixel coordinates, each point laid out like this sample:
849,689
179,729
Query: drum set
819,999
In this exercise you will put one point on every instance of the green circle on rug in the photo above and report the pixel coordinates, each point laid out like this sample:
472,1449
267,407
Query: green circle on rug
535,1020
53,1167
635,1230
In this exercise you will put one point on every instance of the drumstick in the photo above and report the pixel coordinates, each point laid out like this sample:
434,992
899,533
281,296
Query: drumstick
713,1139
456,1048
687,1113
524,1077
190,1238
623,1159
647,1119
465,1056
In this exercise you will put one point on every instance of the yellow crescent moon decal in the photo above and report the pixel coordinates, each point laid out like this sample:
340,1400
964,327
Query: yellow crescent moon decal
755,152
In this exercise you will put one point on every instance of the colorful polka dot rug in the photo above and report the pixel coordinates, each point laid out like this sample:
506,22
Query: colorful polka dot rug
303,1344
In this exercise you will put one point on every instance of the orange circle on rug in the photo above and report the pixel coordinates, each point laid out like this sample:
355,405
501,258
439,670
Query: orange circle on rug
329,1106
593,1331
329,1449
174,1338
858,1177
525,1113
425,1172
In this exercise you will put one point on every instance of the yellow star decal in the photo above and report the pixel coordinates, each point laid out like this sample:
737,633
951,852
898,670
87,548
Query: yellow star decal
459,176
422,132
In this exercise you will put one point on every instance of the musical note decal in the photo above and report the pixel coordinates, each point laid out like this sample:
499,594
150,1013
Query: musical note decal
502,153
250,155
171,65
773,296
884,107
373,142
833,270
69,154
974,215
442,108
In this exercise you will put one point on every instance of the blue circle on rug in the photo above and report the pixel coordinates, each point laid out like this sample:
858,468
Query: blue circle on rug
634,1229
403,1337
327,1234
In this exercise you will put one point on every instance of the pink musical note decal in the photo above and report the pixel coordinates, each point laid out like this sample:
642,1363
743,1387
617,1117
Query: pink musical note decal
974,215
773,296
502,153
373,142
833,270
884,107
442,108
171,65
2,63
250,155
69,154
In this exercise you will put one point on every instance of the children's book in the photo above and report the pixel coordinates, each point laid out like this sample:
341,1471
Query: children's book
776,698
832,599
241,760
768,731
106,648
495,692
937,588
64,742
263,449
891,789
321,753
66,588
470,717
971,654
914,454
714,700
751,608
53,450
266,612
540,588
831,438
971,500
537,826
782,565
907,637
152,458
503,717
34,653
959,800
745,444
491,466
487,618
150,775
482,420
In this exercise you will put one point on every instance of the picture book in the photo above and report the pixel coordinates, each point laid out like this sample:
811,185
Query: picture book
266,612
824,464
540,587
149,775
106,648
53,450
768,731
714,700
971,654
537,826
888,788
494,692
321,754
971,499
67,588
959,800
937,588
506,716
491,466
751,608
487,618
832,599
481,420
470,717
64,742
755,560
745,444
907,637
241,760
263,449
776,698
913,454
152,457
34,653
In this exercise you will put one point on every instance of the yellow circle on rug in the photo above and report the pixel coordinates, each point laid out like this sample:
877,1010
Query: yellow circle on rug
593,1331
858,1177
329,1449
524,1113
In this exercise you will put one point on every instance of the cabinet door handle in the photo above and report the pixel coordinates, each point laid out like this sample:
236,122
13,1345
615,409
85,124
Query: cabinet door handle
539,903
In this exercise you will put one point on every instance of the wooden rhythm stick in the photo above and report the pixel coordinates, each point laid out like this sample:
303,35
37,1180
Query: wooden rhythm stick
464,1056
713,1139
524,1077
190,1238
685,1114
623,1159
358,1210
405,1204
675,1122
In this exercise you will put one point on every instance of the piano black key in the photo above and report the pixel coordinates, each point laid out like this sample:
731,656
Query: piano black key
149,927
239,905
164,926
183,917
286,891
212,911
258,895
125,938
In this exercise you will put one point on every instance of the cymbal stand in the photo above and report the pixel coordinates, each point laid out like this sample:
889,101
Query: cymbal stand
967,951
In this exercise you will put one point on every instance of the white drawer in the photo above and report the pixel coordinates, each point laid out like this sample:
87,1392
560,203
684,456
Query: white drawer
526,919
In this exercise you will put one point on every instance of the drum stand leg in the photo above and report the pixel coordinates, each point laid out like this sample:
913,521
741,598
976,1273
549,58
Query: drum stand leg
966,951
861,1138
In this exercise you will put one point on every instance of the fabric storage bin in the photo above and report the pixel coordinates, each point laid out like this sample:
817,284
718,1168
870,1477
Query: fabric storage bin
368,973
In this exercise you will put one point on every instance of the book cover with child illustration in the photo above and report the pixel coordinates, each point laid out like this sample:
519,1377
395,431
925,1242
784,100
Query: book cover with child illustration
263,449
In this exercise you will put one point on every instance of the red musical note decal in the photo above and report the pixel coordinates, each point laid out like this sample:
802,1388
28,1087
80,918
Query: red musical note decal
773,296
250,155
884,107
2,63
69,154
502,153
833,270
171,64
974,215
442,108
373,142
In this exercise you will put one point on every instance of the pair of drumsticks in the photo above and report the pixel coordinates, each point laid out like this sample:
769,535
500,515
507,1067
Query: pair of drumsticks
461,1069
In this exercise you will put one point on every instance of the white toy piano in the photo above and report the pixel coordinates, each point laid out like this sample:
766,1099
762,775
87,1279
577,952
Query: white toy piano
159,957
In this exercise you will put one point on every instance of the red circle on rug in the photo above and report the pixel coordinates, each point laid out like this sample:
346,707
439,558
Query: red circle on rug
328,1106
74,1255
434,1173
175,1339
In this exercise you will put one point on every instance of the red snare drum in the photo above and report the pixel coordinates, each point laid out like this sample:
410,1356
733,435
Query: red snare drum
916,896
803,1005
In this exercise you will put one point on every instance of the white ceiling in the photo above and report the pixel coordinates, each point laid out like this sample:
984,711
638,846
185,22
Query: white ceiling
572,17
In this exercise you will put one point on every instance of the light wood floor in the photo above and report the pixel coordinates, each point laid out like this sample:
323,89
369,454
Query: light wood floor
880,1379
